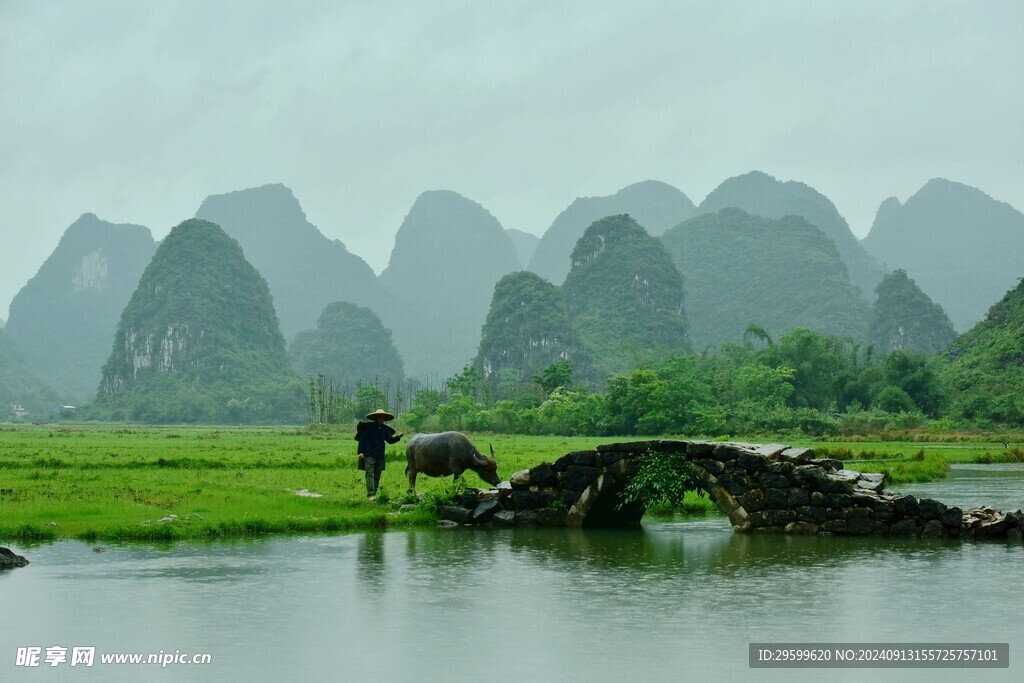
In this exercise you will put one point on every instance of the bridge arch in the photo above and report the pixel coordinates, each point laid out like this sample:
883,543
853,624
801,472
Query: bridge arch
760,487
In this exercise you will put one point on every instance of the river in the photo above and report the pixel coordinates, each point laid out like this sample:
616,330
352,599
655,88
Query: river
675,600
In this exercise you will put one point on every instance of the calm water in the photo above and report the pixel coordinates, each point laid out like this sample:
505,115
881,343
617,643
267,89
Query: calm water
673,601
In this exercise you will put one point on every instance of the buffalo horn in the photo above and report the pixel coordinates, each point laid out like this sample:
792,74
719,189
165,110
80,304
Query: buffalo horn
491,446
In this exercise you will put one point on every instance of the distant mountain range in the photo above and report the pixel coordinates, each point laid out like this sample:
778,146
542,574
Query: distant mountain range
449,253
756,251
743,269
63,319
761,194
655,205
304,269
962,247
199,341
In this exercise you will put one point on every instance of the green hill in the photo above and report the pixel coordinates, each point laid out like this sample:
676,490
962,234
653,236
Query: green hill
962,247
350,345
64,318
744,269
903,317
304,269
761,194
449,253
22,394
655,205
199,341
527,329
624,296
985,365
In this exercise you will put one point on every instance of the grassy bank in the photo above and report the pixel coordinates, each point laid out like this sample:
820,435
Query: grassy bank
145,483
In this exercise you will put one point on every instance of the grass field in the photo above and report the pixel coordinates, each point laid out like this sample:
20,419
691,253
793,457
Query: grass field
147,483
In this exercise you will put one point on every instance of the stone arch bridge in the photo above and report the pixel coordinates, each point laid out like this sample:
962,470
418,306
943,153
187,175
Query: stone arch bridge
761,488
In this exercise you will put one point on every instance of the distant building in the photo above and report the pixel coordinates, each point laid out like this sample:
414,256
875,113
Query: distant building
18,410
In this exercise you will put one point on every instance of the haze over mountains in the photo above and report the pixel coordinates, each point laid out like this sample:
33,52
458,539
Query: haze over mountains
304,269
743,269
448,255
655,205
962,247
199,341
759,193
63,319
777,255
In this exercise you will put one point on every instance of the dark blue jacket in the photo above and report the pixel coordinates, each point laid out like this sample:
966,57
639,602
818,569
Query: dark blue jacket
371,437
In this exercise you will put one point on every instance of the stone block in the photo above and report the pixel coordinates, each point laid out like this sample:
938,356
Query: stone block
837,513
777,529
812,514
797,456
871,482
585,458
799,528
735,484
772,517
770,450
526,500
750,462
526,518
544,475
485,511
776,499
906,506
700,449
753,500
504,518
798,497
929,508
774,481
933,528
578,477
818,498
610,457
568,497
521,480
838,500
810,477
562,464
712,466
550,517
784,468
455,513
828,464
834,526
904,527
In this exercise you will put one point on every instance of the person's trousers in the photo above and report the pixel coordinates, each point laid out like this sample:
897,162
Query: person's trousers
374,467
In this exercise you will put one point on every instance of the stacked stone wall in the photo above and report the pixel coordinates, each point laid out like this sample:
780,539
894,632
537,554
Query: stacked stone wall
770,488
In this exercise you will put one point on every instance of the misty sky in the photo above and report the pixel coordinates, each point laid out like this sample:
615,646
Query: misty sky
136,111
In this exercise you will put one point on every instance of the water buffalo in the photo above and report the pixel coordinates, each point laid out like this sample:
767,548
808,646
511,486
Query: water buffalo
438,455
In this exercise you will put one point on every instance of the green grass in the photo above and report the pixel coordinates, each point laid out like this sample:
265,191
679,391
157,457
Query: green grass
113,482
118,483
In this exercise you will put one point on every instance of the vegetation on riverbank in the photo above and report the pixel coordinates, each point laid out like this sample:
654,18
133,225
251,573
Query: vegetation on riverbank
151,483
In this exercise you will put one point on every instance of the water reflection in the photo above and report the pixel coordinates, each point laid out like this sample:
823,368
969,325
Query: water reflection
672,600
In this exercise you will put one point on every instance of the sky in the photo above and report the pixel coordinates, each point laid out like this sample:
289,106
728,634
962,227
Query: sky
136,111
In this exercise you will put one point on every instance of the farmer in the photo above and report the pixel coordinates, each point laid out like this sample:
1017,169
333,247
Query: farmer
371,437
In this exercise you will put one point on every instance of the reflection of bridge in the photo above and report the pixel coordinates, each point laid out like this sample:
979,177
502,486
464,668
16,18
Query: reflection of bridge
763,488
